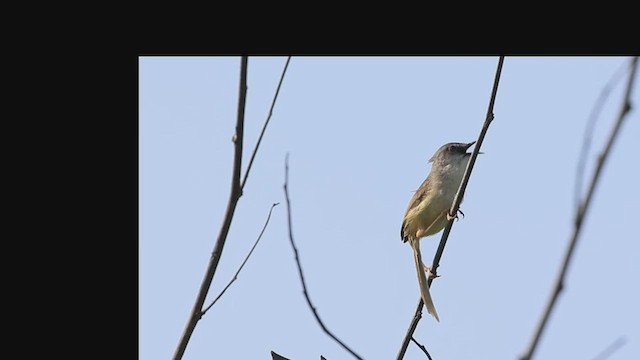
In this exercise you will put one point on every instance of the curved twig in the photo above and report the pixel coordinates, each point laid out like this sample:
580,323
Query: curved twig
295,252
424,349
235,276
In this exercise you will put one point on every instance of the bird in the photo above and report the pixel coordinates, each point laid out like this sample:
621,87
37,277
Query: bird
428,210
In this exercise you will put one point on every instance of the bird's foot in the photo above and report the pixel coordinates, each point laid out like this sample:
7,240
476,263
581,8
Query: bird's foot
430,274
450,217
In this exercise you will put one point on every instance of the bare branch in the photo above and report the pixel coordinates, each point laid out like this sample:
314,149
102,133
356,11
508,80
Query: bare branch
454,207
235,277
297,258
236,192
609,350
593,116
581,212
264,127
424,349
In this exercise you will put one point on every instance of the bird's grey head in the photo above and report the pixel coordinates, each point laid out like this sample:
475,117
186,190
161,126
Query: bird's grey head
451,151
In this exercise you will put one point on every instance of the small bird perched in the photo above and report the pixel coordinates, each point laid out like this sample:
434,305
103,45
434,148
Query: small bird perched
428,210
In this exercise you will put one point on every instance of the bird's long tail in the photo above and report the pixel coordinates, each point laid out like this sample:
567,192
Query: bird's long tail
422,279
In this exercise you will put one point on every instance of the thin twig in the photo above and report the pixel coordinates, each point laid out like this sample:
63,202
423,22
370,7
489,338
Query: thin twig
424,349
454,207
609,350
593,116
580,214
264,127
235,277
196,312
295,251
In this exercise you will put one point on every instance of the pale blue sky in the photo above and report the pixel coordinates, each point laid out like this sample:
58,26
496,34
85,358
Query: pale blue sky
359,132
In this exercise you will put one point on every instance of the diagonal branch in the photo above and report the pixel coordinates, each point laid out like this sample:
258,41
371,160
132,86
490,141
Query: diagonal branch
454,207
295,251
581,213
264,127
236,192
235,277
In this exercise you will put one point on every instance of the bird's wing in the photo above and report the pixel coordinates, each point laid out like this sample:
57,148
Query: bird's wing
415,201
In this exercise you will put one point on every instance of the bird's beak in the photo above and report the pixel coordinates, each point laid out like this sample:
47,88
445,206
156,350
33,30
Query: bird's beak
469,145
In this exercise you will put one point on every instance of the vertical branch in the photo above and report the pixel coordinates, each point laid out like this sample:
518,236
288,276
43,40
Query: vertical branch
236,192
454,207
581,213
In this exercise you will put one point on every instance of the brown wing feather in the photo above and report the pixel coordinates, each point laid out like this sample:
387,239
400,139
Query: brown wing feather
415,200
